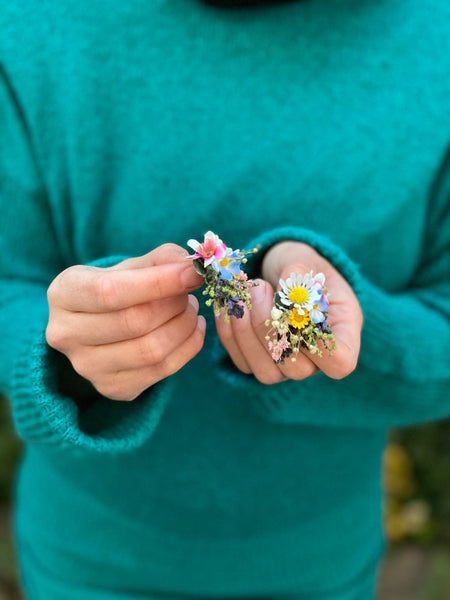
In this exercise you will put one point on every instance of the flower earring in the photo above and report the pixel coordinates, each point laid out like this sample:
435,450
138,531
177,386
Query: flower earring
298,318
226,283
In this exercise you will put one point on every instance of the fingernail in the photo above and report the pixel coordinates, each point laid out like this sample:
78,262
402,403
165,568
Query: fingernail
201,324
259,291
190,279
193,302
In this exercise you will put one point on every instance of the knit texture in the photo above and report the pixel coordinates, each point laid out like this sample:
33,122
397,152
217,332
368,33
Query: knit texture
126,127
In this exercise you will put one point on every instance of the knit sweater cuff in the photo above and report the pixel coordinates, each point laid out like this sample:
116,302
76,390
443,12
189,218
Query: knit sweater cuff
42,414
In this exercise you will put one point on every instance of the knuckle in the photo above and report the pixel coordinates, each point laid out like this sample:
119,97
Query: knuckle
83,365
53,290
158,285
133,321
150,352
105,290
54,335
60,282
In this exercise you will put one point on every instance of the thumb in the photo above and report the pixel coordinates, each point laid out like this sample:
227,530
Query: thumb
162,255
298,268
288,257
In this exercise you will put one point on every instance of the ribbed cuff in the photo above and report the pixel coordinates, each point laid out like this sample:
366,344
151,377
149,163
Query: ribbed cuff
43,415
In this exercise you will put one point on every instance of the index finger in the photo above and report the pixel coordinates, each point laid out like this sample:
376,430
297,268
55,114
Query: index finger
97,290
162,255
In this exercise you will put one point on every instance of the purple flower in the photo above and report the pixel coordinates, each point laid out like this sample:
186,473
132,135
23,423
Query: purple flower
235,309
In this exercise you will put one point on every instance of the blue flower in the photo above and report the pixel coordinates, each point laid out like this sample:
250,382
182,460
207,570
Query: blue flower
228,265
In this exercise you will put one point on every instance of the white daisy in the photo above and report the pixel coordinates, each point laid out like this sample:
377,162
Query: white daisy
299,291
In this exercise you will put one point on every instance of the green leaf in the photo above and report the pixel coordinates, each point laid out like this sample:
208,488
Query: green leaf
198,266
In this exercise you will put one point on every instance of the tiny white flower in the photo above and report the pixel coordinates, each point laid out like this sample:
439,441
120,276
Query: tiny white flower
283,327
276,313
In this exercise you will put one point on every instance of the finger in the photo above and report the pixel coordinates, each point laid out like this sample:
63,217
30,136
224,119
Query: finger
300,257
164,254
343,321
298,367
294,267
93,329
247,334
92,289
186,351
226,336
145,351
129,384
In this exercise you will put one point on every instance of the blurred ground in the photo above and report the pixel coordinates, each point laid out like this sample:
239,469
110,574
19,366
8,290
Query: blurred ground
415,573
8,589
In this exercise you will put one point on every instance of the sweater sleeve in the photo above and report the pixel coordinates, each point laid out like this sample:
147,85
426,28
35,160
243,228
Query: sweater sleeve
400,379
30,371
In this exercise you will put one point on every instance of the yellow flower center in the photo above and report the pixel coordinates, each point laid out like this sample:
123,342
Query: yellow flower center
298,295
224,261
298,320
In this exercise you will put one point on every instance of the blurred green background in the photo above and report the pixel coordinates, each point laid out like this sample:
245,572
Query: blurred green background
417,512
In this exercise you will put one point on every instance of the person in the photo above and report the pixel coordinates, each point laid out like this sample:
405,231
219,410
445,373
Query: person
165,454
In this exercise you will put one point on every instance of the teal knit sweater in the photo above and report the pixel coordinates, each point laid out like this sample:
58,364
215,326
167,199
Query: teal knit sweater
127,125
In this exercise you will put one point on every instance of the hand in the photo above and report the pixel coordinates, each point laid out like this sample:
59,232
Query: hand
244,339
126,327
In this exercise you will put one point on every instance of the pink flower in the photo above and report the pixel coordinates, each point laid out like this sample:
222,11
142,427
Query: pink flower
278,348
276,352
283,342
212,248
